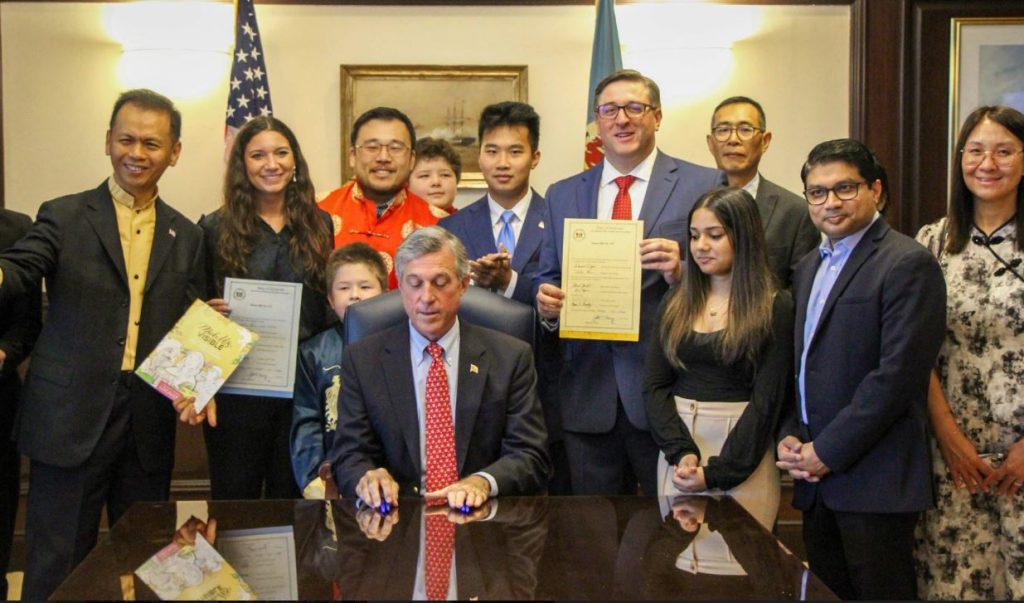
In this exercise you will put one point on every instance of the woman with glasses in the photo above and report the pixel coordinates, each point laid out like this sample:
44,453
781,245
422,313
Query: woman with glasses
268,228
720,370
972,545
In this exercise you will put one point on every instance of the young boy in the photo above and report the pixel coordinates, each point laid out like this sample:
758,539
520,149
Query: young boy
435,177
354,272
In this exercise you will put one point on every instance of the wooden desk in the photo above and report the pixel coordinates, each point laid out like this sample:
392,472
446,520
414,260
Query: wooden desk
525,548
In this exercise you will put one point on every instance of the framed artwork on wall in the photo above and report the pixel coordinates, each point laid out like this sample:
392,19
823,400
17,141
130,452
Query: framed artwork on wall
442,102
986,67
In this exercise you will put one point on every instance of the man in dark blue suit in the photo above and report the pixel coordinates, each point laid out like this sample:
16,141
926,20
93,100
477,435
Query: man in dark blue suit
508,254
606,437
870,317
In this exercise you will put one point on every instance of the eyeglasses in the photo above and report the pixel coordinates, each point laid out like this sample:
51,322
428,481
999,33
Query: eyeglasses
395,148
633,110
743,132
845,191
974,156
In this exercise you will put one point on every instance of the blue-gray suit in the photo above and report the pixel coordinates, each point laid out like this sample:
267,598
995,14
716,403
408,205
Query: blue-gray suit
590,391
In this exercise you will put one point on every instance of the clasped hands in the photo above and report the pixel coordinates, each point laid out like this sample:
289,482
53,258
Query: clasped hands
655,254
800,460
969,470
687,476
492,271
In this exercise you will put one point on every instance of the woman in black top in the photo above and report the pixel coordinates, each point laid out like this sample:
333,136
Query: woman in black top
720,371
269,228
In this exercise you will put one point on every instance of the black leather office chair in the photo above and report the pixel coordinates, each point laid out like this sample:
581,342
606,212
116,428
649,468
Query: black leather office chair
478,306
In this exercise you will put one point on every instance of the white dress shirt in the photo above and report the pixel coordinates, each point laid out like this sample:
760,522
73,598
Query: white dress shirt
637,191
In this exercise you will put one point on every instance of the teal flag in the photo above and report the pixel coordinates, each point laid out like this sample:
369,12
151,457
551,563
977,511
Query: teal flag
605,59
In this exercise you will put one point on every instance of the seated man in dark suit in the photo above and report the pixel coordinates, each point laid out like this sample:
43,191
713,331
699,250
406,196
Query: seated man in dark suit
438,407
738,140
503,230
870,317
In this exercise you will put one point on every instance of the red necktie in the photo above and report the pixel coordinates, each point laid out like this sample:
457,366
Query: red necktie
442,470
623,208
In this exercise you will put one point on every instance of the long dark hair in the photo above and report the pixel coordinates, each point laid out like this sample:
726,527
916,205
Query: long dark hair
239,226
961,201
753,284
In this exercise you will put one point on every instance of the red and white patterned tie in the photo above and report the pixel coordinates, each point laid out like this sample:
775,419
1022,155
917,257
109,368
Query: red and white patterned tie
623,208
442,470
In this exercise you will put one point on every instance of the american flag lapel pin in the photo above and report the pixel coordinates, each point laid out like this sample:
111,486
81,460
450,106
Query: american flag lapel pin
473,368
171,232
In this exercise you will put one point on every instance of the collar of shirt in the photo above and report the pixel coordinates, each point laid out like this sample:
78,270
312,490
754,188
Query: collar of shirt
418,345
845,245
519,209
642,170
125,198
751,187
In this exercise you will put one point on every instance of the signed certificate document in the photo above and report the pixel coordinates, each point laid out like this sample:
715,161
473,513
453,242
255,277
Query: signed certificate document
271,309
601,279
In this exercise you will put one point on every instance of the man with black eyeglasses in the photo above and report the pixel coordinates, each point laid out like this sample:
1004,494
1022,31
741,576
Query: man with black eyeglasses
870,317
607,440
738,139
376,207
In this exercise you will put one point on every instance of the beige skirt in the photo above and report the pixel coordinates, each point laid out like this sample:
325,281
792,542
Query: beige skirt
709,424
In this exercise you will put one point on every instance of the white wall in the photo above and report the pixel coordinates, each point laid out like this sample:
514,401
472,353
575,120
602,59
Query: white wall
60,76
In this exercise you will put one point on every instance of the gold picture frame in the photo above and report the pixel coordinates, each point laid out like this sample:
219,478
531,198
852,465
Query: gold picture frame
441,100
986,66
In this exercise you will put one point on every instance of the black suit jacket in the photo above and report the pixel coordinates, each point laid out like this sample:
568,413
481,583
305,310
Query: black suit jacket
499,428
788,231
70,387
868,367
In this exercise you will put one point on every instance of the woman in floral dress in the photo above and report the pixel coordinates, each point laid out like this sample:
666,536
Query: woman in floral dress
972,545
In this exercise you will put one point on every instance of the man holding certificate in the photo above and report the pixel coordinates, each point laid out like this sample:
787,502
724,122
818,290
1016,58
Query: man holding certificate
606,436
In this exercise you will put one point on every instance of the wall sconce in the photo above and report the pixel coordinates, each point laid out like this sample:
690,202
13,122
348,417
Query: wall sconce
685,47
177,48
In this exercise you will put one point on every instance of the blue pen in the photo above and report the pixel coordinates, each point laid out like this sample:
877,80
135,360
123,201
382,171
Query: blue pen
384,508
464,509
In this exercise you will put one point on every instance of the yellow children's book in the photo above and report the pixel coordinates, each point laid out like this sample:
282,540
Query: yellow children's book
193,572
198,354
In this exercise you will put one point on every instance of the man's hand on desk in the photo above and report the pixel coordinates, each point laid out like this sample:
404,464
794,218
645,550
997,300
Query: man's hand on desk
472,491
186,409
800,460
458,517
377,486
549,301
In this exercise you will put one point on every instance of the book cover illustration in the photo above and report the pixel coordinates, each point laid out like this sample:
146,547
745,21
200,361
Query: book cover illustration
198,354
193,572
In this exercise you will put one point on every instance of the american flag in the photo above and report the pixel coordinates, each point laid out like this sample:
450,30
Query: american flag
249,90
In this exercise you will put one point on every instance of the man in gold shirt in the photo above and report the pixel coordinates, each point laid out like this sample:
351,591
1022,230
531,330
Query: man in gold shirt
121,266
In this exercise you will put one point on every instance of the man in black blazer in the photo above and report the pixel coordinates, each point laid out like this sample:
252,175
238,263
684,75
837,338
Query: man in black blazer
739,138
19,328
870,317
383,444
121,266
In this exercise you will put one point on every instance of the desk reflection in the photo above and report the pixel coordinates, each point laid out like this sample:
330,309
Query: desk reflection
515,548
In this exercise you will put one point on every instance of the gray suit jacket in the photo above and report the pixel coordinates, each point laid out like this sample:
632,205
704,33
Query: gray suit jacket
788,231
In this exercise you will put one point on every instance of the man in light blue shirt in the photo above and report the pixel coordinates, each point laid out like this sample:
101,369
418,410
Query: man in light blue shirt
870,317
483,382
